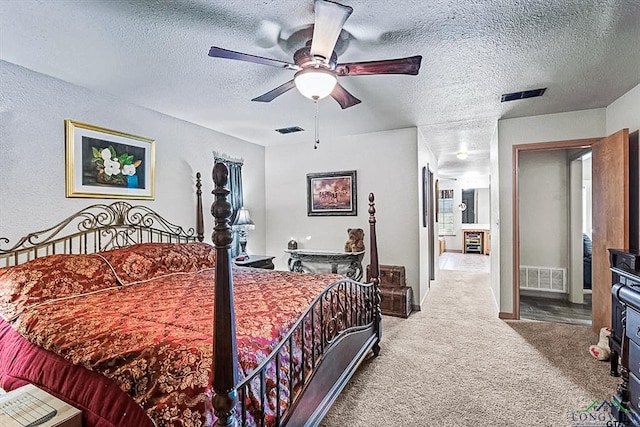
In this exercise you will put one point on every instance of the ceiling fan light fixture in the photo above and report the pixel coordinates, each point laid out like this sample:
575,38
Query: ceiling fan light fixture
315,83
462,155
329,20
316,62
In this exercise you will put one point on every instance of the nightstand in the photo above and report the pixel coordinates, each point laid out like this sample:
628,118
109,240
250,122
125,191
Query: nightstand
256,261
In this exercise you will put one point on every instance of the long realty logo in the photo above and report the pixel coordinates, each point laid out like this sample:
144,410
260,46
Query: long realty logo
599,414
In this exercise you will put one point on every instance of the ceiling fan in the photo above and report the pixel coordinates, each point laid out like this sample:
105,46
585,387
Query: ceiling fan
316,64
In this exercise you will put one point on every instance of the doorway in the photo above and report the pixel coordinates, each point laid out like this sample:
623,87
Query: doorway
555,236
611,164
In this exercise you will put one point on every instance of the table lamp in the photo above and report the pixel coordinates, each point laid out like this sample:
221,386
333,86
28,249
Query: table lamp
242,224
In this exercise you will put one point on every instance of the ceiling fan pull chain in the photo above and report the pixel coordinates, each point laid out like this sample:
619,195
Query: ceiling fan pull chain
315,145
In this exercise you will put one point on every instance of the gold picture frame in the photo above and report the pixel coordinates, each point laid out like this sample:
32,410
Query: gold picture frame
104,163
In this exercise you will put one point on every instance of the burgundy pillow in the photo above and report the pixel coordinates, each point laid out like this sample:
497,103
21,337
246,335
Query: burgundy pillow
150,260
51,277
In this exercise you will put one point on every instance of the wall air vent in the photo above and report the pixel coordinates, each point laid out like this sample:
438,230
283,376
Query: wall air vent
291,129
543,278
522,95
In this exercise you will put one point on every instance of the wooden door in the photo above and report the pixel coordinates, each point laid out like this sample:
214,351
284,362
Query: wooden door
610,175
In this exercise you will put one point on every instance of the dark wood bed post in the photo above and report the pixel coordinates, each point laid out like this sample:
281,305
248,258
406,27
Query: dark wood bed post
225,355
375,273
199,216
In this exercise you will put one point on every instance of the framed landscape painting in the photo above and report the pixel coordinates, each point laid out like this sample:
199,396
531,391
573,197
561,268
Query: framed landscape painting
104,163
332,193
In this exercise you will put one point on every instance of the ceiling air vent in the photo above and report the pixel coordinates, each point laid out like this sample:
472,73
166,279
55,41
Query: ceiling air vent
522,95
291,129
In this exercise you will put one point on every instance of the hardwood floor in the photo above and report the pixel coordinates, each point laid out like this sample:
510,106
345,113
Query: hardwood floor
555,310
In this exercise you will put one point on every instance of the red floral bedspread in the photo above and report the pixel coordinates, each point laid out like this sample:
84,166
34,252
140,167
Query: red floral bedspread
154,337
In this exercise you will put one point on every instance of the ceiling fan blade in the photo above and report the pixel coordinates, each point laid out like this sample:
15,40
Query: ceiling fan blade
410,65
218,52
343,97
273,94
329,19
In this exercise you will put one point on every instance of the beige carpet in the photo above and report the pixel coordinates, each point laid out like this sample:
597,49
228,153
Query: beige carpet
456,364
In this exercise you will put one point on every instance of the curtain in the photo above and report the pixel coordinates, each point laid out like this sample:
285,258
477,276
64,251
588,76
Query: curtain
235,195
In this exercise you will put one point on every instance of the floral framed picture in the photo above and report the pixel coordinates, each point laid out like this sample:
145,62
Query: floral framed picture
332,193
104,163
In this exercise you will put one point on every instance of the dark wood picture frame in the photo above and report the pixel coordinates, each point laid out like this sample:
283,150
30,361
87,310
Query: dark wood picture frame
425,197
436,200
332,194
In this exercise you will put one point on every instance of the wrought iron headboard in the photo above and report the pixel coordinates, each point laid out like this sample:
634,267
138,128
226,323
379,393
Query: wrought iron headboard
102,227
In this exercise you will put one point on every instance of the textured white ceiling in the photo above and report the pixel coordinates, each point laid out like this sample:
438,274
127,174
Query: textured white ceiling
154,54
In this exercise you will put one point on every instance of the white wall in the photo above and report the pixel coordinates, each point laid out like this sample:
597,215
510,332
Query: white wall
624,112
386,164
33,108
545,128
544,227
484,203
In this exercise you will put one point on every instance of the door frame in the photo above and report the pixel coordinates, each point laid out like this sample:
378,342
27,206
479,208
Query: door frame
576,227
516,150
429,206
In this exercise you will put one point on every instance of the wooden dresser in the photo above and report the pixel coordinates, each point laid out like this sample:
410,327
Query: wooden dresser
625,333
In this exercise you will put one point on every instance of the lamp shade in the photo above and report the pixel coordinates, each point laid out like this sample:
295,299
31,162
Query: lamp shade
243,219
315,83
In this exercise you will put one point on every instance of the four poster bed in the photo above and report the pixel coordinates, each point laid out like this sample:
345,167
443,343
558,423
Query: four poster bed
133,320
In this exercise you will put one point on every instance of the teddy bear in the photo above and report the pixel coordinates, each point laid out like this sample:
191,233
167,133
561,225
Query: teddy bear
356,240
601,350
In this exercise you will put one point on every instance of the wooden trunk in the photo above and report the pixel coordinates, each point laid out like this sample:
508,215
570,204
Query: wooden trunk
391,276
396,301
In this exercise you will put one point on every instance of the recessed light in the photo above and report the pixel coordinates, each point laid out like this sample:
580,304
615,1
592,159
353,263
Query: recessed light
462,155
